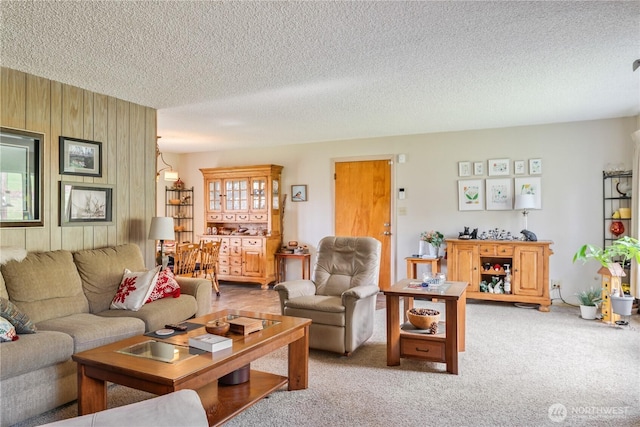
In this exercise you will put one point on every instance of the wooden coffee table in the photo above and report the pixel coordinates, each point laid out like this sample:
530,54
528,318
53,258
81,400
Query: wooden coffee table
105,364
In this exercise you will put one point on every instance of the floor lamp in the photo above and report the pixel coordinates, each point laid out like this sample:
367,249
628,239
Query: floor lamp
525,202
162,229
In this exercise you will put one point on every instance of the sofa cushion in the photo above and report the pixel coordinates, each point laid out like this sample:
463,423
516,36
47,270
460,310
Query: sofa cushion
34,351
158,313
7,331
166,286
134,289
8,253
20,320
321,309
101,272
89,331
45,285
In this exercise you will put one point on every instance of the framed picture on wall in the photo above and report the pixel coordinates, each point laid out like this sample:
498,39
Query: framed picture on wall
470,195
80,157
519,167
299,193
464,168
83,204
498,167
535,166
478,168
499,194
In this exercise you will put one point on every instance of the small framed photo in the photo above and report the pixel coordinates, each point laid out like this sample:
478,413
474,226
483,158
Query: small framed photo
535,166
519,167
83,204
299,193
80,157
478,168
470,195
464,168
498,167
499,194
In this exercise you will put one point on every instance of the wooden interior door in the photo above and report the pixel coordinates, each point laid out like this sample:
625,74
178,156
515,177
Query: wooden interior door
363,206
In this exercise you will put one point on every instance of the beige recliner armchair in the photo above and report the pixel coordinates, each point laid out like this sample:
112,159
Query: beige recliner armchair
340,298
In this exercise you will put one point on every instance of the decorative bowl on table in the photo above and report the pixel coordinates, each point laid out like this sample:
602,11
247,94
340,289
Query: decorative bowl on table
217,327
424,318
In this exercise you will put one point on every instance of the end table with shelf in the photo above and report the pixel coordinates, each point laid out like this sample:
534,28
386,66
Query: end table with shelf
281,265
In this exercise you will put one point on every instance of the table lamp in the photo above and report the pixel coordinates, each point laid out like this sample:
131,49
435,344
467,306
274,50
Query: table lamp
161,229
525,202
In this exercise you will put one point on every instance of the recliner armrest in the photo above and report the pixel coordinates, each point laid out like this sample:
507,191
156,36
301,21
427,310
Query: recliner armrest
295,288
360,292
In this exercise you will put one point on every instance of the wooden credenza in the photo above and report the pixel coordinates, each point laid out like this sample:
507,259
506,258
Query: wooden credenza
244,198
529,264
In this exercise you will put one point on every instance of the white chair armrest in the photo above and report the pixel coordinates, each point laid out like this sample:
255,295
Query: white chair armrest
295,288
359,292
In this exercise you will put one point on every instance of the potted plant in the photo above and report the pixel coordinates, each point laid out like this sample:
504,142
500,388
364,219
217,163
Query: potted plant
435,239
589,303
613,257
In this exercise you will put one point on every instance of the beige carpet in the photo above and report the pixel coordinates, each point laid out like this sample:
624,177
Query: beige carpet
521,368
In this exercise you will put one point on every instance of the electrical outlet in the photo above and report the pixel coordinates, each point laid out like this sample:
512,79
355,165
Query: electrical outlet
555,284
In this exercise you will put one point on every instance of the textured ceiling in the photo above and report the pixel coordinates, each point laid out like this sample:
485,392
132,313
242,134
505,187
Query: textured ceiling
243,74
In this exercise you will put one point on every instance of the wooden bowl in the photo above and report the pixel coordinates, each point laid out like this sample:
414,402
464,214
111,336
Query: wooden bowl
217,327
174,201
423,318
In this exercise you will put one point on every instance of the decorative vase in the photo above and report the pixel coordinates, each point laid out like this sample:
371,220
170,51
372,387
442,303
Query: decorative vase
616,228
588,312
433,251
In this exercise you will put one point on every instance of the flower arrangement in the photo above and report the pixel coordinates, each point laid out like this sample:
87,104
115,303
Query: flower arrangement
434,237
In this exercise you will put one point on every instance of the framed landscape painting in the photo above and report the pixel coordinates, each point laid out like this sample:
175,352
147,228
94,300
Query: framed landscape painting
80,157
85,204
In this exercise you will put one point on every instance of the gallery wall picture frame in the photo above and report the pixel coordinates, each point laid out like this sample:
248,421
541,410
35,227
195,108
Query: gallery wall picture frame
535,166
499,194
84,204
529,185
498,167
478,168
299,193
519,167
80,157
464,168
470,195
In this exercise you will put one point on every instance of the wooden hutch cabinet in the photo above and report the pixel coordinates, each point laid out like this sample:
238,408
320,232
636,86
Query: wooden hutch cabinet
243,212
473,261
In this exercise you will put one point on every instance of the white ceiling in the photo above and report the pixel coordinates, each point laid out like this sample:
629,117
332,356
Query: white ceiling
244,74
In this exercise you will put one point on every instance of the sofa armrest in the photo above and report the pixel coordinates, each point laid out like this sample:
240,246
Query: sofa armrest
360,292
293,289
200,289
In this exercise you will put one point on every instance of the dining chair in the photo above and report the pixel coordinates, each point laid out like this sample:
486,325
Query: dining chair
186,259
209,251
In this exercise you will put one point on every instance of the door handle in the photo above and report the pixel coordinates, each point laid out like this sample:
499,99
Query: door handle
386,233
386,224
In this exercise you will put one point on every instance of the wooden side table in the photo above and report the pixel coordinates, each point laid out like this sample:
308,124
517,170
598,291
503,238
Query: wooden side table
412,265
281,265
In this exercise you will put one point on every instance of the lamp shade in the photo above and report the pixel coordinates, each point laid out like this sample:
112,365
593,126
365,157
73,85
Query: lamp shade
171,175
525,201
161,228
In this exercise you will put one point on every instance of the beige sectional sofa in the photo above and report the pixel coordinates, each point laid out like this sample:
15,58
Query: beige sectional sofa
67,295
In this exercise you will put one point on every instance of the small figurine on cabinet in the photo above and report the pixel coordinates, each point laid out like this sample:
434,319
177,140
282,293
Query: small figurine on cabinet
178,185
529,236
474,233
464,234
185,200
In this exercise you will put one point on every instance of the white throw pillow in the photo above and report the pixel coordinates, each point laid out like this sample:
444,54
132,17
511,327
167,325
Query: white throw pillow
134,289
7,331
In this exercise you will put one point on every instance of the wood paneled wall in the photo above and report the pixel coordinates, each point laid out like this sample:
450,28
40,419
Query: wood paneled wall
128,135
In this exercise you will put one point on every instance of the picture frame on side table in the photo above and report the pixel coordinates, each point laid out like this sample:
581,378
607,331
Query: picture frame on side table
519,167
83,204
529,185
499,194
299,193
80,157
464,168
470,195
498,167
535,166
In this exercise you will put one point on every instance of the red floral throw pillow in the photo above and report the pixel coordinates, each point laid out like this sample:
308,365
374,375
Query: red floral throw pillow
134,289
166,286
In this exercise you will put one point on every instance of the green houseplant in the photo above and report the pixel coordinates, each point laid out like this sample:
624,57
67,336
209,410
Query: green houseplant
620,252
589,301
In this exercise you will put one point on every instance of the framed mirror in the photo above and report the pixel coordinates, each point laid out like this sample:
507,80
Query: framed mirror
21,174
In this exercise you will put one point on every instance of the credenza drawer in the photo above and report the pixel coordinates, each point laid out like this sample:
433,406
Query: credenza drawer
258,217
495,250
252,243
